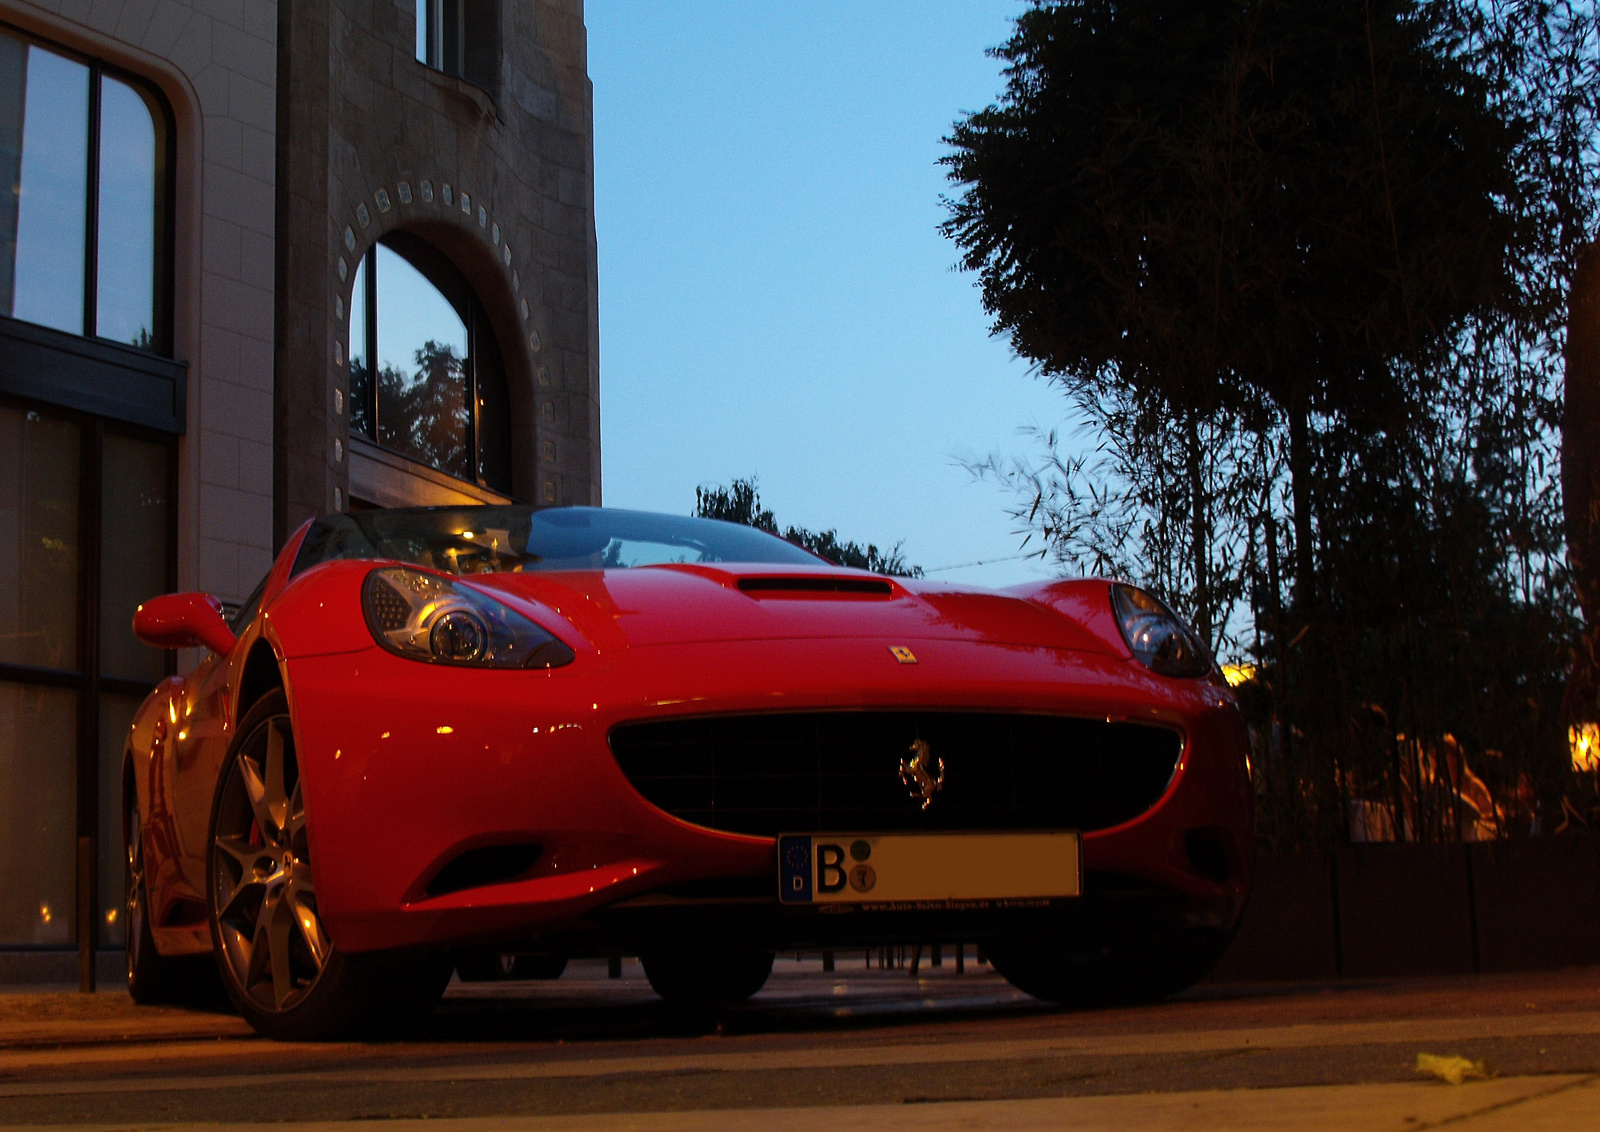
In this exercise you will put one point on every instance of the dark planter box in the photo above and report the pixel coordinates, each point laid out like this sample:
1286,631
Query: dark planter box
1538,902
1404,910
1287,930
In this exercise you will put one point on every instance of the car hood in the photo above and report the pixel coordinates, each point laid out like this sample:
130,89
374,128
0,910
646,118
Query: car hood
683,604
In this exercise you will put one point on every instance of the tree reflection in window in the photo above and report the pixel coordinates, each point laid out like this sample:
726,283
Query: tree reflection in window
439,397
424,412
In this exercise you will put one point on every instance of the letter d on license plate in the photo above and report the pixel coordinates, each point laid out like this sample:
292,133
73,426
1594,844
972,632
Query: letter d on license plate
871,868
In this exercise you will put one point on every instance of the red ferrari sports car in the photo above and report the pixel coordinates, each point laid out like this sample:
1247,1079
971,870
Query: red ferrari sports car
437,736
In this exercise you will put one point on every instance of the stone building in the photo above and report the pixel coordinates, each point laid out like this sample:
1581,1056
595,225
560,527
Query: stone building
263,260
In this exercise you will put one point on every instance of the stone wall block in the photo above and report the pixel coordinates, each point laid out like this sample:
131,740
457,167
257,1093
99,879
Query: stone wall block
261,19
240,517
219,568
165,28
255,364
246,201
219,459
219,354
235,409
224,135
254,562
191,50
237,306
134,20
251,100
255,467
222,253
211,84
249,56
227,11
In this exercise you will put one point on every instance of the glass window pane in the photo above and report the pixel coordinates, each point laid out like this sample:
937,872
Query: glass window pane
13,79
38,539
422,30
133,551
38,824
116,715
360,355
52,193
125,268
421,356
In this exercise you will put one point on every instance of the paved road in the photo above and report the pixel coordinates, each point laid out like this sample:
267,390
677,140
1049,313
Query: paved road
855,1049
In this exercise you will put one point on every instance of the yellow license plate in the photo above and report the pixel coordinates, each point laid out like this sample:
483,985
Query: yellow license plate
876,868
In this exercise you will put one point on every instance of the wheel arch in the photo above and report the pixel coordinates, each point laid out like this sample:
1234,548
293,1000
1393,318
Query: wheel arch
260,676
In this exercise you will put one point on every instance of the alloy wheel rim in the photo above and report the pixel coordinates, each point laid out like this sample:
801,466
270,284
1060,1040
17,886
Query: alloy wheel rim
263,896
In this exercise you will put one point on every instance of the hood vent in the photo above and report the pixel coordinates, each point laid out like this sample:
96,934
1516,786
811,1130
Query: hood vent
816,584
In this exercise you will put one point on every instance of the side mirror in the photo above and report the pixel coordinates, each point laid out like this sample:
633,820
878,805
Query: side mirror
180,621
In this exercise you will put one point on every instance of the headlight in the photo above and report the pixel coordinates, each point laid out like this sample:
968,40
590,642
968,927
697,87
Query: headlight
1161,641
426,617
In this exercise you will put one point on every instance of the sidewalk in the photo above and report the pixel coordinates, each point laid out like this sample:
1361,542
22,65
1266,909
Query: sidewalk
35,1017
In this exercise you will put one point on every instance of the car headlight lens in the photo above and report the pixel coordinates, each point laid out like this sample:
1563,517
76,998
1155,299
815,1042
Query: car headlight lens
1161,641
425,617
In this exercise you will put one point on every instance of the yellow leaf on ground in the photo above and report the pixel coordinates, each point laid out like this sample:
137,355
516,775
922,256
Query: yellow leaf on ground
1452,1069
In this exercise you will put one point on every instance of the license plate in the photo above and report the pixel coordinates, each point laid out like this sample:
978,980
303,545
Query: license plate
936,868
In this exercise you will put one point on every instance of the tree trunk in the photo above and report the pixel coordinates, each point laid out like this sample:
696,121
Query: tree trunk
1580,481
1300,490
1199,533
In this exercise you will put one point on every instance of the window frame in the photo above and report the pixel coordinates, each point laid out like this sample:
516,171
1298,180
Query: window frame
162,283
460,38
86,677
448,281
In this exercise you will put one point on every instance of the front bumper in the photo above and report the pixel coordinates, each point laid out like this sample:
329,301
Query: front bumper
406,766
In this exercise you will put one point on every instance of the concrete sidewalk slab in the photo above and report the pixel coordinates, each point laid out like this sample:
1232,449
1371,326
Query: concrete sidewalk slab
1530,1104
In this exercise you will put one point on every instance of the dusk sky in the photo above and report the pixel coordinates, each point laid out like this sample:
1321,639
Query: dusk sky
775,297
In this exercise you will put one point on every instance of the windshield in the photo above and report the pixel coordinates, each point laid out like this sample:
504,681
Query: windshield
510,540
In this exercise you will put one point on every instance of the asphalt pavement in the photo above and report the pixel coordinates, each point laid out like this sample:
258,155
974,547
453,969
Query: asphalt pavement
858,1048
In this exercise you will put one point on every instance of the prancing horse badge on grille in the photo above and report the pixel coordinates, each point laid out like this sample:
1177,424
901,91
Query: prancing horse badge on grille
924,773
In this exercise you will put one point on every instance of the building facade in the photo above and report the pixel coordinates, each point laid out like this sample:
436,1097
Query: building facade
262,261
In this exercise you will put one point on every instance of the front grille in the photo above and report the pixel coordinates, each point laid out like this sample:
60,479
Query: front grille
840,771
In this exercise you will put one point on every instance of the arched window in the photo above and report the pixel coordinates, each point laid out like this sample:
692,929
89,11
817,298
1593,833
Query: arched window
83,233
426,377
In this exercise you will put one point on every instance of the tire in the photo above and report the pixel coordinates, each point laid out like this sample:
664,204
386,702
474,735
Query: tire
275,958
153,978
1116,972
707,977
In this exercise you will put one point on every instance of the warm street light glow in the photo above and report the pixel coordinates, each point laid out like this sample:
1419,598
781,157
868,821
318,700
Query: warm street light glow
1584,739
1236,674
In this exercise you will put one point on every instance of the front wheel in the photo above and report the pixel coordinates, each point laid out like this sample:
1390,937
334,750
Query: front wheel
279,966
707,977
1109,972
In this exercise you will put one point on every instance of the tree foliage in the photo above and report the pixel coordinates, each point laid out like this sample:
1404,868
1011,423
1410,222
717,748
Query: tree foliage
1300,267
740,502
